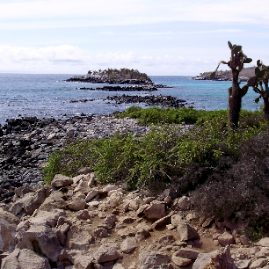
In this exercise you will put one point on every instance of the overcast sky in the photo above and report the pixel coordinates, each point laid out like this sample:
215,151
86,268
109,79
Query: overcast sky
171,37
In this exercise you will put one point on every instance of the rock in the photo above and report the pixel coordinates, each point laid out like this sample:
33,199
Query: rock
259,263
223,258
202,260
128,245
91,195
8,224
107,254
263,253
226,239
161,222
77,204
187,253
61,181
109,222
176,219
79,238
264,242
54,201
30,202
101,232
26,259
182,203
187,232
154,260
244,240
180,261
155,211
46,218
242,264
41,238
166,240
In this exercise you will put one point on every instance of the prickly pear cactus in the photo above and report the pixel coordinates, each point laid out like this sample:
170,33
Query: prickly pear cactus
236,63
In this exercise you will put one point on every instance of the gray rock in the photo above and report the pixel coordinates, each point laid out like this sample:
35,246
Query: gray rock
25,259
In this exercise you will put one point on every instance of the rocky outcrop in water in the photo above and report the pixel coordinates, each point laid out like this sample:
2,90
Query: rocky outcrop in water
150,100
114,76
148,88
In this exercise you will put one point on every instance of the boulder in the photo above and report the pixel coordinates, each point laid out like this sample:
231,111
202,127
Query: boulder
155,211
154,260
182,203
61,181
55,200
29,203
187,253
42,239
107,254
223,258
259,263
187,232
8,224
264,242
47,218
25,259
226,239
79,238
128,245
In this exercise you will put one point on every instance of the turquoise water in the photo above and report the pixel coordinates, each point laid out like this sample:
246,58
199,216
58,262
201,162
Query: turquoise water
49,96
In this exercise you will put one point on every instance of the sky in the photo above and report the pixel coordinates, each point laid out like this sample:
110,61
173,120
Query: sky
171,37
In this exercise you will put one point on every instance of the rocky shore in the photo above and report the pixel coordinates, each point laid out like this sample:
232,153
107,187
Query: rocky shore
78,224
26,144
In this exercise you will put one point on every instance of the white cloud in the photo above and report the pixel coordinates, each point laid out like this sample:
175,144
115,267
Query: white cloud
70,59
81,13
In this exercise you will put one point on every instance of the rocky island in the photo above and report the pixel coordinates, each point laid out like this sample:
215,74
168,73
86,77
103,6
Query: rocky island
245,74
114,76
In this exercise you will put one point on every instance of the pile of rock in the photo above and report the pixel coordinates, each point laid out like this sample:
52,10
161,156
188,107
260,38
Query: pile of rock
77,224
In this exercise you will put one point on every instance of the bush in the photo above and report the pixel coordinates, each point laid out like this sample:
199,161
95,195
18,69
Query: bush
242,191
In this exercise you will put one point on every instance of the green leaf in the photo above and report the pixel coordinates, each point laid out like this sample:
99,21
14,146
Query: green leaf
247,60
257,100
244,90
259,63
230,45
262,73
212,75
267,69
252,81
257,71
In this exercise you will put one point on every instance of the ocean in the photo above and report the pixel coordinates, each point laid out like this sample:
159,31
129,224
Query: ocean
43,96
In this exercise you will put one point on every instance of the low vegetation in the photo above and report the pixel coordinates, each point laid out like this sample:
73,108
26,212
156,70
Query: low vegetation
123,73
225,172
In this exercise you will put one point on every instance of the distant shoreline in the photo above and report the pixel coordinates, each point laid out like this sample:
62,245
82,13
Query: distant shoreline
245,74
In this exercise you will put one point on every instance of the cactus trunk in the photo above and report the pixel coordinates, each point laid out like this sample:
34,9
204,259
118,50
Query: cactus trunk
266,106
235,100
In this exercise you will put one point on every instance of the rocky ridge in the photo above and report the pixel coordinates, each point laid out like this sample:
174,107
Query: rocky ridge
78,224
